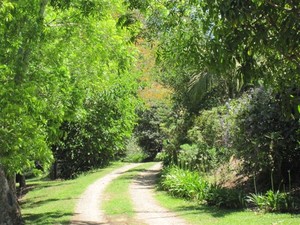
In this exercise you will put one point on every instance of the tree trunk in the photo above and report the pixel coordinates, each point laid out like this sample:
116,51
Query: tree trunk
20,178
10,213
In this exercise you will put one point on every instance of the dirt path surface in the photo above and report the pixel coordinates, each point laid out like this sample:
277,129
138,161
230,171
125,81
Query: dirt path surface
88,211
146,208
148,211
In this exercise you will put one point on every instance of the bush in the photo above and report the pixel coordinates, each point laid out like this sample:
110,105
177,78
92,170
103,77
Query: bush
161,156
190,185
199,157
225,198
184,183
133,152
209,139
98,136
272,201
266,138
255,128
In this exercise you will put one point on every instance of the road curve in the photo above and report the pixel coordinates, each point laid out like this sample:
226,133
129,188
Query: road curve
88,209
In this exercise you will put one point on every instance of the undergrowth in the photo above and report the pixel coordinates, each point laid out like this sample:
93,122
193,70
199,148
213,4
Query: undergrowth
191,185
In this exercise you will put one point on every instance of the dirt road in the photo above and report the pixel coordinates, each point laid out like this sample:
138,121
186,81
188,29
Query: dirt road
88,210
147,210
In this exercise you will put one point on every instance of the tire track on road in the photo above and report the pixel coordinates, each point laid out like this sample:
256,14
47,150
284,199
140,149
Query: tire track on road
88,209
146,207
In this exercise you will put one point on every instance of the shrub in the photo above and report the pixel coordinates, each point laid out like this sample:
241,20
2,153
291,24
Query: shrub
133,152
161,156
255,128
272,201
266,138
97,136
198,157
184,183
209,139
225,198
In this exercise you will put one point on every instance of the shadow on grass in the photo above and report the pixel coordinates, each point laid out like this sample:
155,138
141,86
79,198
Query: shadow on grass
46,218
39,186
35,204
132,171
130,174
213,211
217,212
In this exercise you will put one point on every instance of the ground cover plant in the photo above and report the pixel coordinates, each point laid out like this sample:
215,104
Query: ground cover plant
53,202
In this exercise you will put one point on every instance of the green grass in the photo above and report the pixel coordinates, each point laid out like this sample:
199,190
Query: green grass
118,204
53,202
203,215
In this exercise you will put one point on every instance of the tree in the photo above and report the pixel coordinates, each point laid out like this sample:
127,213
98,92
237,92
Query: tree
148,129
22,129
210,49
233,43
49,71
9,209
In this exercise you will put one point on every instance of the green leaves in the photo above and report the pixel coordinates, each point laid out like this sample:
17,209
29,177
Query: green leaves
5,11
63,62
272,201
239,43
184,183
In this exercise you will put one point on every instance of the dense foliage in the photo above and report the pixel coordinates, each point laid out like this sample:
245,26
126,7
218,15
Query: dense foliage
233,67
266,139
212,52
148,131
65,67
69,91
190,185
98,138
235,42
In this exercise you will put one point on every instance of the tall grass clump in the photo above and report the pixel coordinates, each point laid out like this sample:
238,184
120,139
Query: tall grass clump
272,201
184,183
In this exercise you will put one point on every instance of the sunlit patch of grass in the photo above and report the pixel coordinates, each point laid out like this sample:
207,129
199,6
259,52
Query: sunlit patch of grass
53,202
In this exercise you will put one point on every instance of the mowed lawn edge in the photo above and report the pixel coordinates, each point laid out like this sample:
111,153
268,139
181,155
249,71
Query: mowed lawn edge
197,214
53,202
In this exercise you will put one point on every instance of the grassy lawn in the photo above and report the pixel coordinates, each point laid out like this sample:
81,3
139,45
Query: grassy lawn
118,205
53,202
203,215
